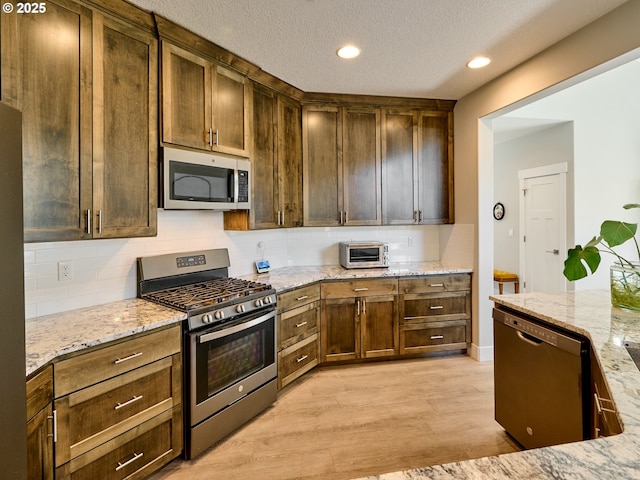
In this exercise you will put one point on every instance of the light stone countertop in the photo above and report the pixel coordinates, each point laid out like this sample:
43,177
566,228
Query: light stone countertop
287,278
617,457
51,336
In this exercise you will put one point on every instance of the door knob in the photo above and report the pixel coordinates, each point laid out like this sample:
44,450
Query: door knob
555,251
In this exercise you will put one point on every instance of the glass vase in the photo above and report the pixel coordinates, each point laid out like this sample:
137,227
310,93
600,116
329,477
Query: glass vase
625,286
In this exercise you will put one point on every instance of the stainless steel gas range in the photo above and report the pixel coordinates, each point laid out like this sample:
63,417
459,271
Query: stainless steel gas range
229,340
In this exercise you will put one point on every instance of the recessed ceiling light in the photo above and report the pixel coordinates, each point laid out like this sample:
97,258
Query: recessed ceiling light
479,62
348,51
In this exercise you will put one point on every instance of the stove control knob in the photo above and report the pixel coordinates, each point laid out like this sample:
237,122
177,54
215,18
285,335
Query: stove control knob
218,314
240,309
259,302
267,300
207,318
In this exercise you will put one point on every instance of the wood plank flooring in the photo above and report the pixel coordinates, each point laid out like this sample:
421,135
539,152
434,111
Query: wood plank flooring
346,422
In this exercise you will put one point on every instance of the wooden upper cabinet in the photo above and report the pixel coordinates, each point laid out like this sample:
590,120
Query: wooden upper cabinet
125,138
46,73
322,165
435,167
417,167
361,185
87,87
204,105
289,148
399,164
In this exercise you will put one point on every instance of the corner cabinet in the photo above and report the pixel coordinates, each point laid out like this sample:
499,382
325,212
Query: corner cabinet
118,408
204,105
90,137
435,313
298,332
359,319
276,161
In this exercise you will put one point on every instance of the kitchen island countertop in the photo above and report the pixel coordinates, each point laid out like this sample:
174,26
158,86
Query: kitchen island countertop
617,457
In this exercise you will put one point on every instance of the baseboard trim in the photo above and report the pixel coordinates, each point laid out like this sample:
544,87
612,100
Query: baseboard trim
481,354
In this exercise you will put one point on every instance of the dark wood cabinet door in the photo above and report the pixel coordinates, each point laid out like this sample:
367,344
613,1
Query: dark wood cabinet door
186,98
229,96
125,143
40,445
379,326
399,168
289,150
340,329
46,72
322,165
264,205
361,167
435,167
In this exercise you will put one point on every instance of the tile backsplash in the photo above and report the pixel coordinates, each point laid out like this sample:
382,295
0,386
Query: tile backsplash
105,270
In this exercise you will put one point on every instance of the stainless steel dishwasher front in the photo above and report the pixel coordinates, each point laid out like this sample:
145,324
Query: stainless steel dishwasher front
541,381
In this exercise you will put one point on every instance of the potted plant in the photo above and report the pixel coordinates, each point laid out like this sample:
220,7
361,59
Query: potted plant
625,273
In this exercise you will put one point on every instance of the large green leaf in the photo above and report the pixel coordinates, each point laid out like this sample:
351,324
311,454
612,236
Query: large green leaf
616,233
577,258
631,205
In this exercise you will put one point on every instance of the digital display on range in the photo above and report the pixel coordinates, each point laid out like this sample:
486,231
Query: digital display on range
191,261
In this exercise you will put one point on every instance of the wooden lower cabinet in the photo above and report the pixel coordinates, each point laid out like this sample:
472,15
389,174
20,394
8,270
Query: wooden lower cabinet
605,418
122,419
435,313
40,425
298,332
359,319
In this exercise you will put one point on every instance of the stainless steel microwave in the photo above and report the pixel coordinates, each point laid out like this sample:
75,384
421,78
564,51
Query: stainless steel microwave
364,254
204,181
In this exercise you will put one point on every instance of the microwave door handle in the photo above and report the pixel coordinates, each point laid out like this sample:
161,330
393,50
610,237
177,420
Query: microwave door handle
207,337
233,185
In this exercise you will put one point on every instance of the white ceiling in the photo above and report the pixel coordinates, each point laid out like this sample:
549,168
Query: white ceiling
410,48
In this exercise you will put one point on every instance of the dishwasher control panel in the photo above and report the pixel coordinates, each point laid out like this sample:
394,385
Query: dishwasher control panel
532,329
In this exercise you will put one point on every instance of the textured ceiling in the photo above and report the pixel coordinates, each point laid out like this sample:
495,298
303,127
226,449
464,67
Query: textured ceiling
410,48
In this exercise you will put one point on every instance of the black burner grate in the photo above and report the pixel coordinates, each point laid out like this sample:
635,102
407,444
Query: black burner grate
208,293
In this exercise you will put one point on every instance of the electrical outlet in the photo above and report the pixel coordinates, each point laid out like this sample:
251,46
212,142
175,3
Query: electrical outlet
65,271
410,242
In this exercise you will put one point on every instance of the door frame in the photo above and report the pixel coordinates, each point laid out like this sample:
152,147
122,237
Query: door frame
561,169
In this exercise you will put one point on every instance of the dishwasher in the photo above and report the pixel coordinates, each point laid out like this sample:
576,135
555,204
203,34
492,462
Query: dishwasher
541,381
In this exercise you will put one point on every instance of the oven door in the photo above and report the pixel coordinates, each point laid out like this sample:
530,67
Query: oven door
228,362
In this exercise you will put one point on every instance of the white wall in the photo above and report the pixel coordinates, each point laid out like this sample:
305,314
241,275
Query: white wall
606,116
551,145
105,270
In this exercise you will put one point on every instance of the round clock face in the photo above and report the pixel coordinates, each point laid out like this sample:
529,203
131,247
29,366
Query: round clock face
498,211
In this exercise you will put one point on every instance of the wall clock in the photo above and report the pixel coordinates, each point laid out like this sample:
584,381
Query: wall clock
498,211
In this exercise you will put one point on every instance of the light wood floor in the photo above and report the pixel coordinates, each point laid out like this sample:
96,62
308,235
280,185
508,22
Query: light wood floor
345,422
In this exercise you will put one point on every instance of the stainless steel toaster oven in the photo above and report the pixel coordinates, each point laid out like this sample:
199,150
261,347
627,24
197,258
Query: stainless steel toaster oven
364,254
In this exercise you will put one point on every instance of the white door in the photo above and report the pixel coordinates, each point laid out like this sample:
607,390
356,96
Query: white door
543,240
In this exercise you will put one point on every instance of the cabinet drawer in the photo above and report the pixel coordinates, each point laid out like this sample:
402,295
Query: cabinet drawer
359,288
96,414
298,297
297,360
435,283
39,391
298,323
419,307
133,455
93,367
433,336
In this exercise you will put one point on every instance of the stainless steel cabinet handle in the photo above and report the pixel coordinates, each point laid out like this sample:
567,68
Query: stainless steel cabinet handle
124,359
54,424
358,302
302,297
419,215
128,402
304,357
211,137
436,284
136,456
364,307
436,307
361,289
341,214
298,325
99,221
437,337
346,217
217,137
415,216
555,251
89,221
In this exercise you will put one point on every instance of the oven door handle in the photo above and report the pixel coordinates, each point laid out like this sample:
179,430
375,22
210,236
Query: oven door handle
207,337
